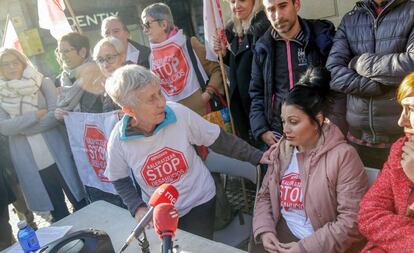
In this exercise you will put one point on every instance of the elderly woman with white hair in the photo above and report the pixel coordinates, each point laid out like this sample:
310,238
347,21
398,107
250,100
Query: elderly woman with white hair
155,138
110,54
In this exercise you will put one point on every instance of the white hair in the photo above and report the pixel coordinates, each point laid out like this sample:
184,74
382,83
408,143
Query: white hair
116,43
125,81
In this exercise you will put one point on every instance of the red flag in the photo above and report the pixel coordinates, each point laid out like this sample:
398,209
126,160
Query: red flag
52,17
10,39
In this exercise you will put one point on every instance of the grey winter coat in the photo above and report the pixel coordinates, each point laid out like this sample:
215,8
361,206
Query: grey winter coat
369,58
55,137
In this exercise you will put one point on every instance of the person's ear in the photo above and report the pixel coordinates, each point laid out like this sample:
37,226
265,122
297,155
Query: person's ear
164,25
319,117
297,5
83,52
127,110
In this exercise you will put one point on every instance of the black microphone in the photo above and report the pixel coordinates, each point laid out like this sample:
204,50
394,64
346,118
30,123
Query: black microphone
165,223
166,193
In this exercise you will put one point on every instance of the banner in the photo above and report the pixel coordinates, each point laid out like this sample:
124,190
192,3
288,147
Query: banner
213,23
10,39
52,17
88,136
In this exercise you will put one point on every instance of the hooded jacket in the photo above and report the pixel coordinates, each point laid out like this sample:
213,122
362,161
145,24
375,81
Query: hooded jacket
333,181
278,64
381,217
370,57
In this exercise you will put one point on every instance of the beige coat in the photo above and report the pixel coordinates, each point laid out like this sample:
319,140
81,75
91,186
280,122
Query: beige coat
333,180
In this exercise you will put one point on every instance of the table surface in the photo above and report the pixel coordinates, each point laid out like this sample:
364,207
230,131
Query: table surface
118,224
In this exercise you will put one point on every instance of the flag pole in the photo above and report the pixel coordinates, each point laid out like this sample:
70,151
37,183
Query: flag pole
223,71
226,91
72,13
5,30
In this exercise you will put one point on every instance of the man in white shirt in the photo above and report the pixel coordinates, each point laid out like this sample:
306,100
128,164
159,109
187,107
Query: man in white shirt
136,53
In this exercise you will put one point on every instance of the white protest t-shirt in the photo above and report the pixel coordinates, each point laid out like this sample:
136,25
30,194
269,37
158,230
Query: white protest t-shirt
168,156
171,62
291,201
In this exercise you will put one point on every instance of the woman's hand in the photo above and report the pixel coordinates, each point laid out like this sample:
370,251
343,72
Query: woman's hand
139,214
292,247
60,113
269,138
270,242
267,158
407,158
205,97
219,46
40,113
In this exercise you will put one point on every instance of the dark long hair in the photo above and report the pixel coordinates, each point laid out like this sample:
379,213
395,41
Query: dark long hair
310,94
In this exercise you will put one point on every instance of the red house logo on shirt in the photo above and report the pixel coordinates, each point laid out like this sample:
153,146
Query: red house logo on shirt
170,65
165,166
95,145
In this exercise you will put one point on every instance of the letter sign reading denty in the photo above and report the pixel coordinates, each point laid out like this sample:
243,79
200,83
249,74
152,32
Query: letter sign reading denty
95,145
164,166
170,65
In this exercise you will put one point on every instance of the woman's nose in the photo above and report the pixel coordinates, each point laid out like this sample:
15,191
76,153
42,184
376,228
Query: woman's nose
404,121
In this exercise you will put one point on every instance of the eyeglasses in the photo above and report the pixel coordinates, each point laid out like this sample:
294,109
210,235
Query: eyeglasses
64,52
147,25
109,59
11,64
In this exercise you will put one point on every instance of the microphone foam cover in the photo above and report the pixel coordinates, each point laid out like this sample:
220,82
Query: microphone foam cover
164,222
166,193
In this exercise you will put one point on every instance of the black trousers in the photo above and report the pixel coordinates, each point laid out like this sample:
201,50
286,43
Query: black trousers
200,220
6,236
56,187
372,157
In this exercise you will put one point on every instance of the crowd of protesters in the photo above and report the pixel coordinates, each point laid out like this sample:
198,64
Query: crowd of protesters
312,105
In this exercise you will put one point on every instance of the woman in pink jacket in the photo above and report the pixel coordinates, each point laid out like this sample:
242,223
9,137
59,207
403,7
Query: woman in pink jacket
386,217
310,195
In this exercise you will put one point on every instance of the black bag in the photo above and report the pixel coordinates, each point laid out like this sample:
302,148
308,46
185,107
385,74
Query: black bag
84,241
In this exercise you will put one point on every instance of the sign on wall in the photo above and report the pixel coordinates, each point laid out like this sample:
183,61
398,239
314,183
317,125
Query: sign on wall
92,19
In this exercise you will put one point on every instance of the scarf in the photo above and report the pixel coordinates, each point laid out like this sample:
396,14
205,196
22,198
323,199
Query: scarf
71,91
21,96
18,95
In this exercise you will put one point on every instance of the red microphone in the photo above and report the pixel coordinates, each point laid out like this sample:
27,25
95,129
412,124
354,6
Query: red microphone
165,221
166,193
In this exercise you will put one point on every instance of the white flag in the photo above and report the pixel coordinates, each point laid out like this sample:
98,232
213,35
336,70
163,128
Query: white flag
52,17
10,39
88,135
211,12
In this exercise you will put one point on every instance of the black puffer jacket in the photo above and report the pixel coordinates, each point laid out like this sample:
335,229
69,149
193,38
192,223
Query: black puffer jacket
369,58
239,60
270,56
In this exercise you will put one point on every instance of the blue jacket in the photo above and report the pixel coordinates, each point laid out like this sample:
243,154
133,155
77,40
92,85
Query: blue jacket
270,56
